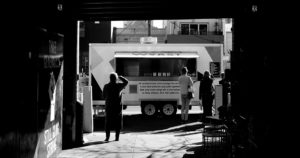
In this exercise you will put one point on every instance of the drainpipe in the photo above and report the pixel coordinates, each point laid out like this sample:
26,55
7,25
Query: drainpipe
149,28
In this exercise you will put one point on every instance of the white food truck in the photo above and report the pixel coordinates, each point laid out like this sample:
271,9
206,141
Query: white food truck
152,71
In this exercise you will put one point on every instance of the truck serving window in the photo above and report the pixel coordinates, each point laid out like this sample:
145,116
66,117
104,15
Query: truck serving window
154,67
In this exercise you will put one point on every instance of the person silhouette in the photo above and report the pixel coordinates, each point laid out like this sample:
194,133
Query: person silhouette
185,82
113,104
206,94
226,88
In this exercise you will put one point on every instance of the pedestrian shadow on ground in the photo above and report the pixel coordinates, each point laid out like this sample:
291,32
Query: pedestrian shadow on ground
189,133
195,151
198,150
156,124
188,127
140,123
94,143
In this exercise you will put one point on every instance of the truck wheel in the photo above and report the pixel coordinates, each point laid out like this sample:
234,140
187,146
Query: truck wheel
169,109
149,109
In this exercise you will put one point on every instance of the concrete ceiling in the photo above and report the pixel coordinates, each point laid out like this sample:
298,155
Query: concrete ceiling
158,9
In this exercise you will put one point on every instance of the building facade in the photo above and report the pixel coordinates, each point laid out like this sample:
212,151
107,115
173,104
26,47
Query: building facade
202,31
194,31
227,32
134,30
180,31
91,32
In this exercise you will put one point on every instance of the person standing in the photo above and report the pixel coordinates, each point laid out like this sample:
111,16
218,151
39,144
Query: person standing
185,82
206,94
113,104
226,86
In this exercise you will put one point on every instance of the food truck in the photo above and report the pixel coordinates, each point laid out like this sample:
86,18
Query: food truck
152,71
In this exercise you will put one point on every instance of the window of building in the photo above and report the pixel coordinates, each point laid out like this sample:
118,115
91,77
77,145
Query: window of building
203,29
185,30
193,29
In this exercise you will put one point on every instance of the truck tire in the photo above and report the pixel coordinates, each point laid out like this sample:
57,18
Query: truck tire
149,109
169,109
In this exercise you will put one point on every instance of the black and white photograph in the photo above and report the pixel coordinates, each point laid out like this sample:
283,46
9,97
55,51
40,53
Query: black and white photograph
145,79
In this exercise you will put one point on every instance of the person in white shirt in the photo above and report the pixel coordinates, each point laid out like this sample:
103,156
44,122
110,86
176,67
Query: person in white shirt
185,82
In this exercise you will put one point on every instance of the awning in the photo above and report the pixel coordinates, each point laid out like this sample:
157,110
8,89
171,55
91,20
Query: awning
156,54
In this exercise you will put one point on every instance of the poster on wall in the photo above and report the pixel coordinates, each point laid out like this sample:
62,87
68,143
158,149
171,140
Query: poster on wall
50,94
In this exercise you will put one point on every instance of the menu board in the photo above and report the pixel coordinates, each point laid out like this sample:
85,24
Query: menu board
215,69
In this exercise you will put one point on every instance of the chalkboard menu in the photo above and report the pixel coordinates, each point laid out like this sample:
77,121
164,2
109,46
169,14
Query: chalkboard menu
215,69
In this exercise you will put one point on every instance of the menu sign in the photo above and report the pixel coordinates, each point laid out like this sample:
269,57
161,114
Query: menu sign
215,69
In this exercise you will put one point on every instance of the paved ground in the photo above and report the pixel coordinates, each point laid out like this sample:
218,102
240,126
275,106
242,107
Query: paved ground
174,142
144,137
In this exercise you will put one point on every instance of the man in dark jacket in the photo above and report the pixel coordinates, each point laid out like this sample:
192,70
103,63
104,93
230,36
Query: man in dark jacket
206,94
226,86
113,104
